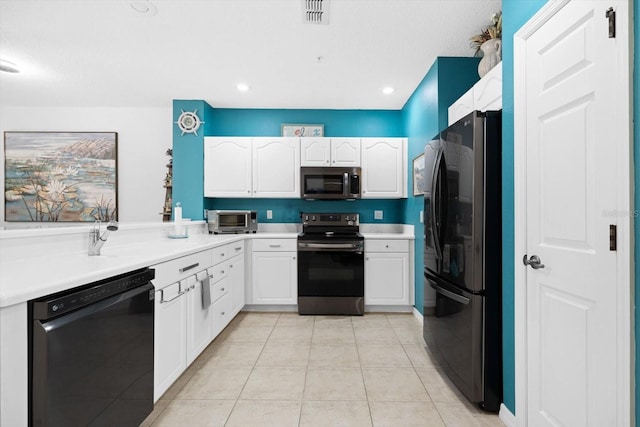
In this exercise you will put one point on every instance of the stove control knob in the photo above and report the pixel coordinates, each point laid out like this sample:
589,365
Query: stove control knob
346,218
313,218
306,217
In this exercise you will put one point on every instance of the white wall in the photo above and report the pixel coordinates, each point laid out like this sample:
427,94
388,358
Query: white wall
144,135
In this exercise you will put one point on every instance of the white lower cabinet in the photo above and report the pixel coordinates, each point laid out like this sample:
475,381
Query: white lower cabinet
169,338
386,272
185,320
199,328
274,271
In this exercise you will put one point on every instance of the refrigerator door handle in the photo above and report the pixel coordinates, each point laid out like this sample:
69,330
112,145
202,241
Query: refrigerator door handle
434,219
451,295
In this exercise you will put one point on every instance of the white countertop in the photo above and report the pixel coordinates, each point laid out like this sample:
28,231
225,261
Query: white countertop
35,263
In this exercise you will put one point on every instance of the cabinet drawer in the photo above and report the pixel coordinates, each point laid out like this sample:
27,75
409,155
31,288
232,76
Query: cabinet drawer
219,254
221,313
386,245
218,272
275,245
235,248
179,268
219,289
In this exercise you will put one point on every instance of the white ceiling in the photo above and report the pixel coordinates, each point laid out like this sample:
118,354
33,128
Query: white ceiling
104,53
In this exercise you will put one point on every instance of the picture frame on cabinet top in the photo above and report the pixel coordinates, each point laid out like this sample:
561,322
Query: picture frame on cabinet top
316,130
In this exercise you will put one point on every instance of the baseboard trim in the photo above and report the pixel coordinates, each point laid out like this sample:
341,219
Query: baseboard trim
418,316
506,416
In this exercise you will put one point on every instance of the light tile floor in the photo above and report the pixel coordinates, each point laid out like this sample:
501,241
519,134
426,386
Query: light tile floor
282,369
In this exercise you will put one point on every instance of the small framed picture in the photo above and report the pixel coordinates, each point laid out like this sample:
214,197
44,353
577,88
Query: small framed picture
302,130
418,176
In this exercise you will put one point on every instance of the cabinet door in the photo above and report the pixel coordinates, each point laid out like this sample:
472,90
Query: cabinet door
169,345
315,152
386,279
227,167
236,283
275,278
345,152
276,167
487,92
463,106
384,163
198,321
221,312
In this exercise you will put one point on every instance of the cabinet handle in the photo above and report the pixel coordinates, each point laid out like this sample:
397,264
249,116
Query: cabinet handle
294,257
238,248
211,276
231,266
222,313
221,271
193,286
367,258
189,267
222,254
386,246
274,246
221,289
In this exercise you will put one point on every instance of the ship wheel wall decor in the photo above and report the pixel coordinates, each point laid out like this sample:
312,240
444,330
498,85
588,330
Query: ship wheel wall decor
189,122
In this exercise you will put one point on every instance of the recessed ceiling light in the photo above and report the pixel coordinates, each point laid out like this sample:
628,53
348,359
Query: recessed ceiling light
144,6
242,87
387,90
8,66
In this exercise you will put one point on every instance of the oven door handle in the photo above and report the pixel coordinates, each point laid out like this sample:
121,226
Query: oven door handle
330,247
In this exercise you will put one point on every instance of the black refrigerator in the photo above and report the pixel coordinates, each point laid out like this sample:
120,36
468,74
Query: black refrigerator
463,255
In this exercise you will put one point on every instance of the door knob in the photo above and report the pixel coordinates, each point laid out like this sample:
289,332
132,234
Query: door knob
533,261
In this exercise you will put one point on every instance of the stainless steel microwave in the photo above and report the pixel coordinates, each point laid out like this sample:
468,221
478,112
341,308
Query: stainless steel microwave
232,221
327,183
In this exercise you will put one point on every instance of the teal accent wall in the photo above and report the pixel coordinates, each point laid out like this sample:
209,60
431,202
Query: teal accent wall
288,210
424,115
188,168
346,123
636,158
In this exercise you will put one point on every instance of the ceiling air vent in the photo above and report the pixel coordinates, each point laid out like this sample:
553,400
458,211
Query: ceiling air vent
315,11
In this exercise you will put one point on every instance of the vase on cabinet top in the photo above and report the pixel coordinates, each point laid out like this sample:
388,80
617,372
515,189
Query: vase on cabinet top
492,55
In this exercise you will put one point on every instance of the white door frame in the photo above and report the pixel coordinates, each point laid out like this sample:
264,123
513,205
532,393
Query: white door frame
624,218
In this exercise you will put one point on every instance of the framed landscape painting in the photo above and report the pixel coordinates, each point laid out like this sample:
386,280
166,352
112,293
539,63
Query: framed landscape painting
60,176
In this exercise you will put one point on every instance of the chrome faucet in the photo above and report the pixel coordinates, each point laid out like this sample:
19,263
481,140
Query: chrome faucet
96,240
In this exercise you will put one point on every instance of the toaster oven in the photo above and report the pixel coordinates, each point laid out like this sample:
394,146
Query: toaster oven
220,221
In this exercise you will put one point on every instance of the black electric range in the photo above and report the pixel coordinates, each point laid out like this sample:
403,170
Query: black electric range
330,264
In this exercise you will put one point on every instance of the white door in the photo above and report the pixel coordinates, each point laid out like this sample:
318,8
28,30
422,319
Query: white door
573,146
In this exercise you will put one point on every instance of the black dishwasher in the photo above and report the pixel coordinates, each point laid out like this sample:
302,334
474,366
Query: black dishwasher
91,353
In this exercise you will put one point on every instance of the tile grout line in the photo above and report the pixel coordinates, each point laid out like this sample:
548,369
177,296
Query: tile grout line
364,385
264,344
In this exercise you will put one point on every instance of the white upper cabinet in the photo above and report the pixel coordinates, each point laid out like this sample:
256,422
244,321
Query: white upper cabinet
343,152
384,168
252,167
227,167
276,167
315,152
463,106
485,95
